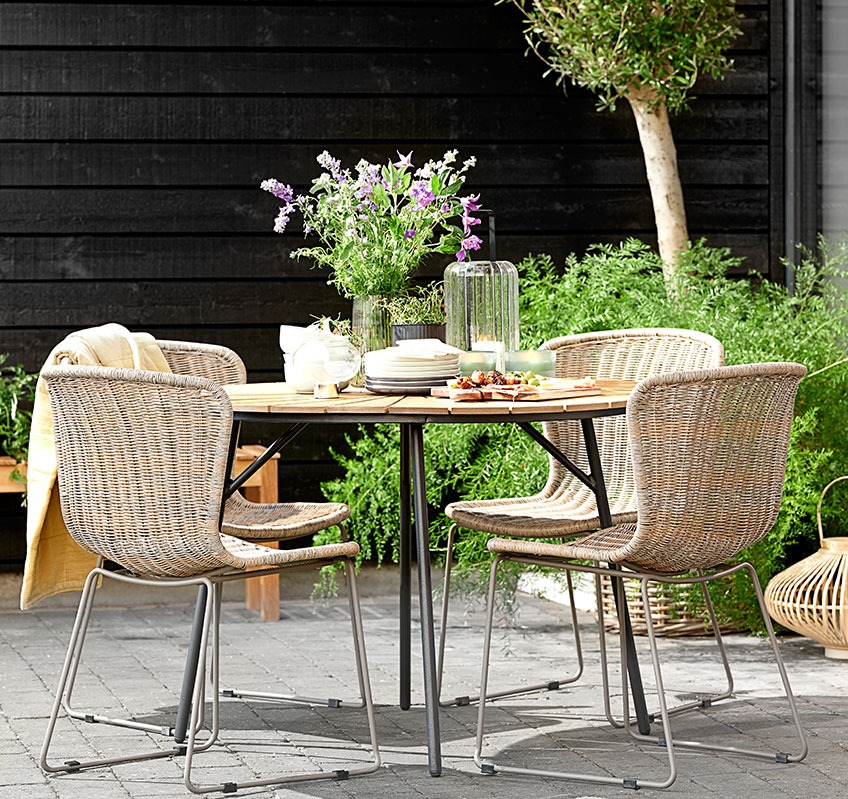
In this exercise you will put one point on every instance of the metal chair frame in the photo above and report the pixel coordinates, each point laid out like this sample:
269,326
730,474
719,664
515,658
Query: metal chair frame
665,740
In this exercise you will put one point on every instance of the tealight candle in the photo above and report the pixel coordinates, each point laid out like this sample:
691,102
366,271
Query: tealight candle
478,360
496,347
540,362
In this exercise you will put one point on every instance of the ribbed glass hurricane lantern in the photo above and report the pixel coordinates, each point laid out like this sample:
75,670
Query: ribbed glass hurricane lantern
481,307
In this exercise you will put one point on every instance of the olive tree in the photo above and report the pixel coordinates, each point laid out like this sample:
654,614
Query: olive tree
649,53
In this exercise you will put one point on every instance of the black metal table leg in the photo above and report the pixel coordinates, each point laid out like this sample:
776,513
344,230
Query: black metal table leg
634,673
425,598
192,657
405,564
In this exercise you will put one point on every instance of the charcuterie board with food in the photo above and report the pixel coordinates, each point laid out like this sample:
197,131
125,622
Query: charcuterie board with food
515,388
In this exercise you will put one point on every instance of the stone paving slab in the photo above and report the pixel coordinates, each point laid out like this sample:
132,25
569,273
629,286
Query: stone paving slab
134,657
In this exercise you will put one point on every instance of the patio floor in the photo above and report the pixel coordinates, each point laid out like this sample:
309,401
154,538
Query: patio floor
134,658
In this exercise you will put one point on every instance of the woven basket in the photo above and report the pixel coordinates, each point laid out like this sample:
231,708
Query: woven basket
811,596
669,618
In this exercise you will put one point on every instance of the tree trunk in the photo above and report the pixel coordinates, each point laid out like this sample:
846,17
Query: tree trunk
663,178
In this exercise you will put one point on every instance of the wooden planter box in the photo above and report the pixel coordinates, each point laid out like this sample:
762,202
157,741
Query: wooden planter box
7,484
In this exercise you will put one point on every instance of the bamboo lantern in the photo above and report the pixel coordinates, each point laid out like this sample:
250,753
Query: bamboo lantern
811,596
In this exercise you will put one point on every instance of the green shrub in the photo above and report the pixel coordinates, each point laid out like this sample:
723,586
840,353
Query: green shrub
17,392
620,287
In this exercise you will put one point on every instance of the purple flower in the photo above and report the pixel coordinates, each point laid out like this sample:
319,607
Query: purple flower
332,165
470,203
283,218
408,234
405,160
468,243
421,193
280,190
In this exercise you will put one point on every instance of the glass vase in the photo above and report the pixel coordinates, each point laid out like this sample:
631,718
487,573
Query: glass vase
371,328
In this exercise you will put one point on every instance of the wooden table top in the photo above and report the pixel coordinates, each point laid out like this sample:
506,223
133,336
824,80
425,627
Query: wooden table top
282,399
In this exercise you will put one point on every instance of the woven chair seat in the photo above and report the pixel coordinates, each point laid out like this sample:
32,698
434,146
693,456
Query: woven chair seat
251,556
276,521
602,545
533,517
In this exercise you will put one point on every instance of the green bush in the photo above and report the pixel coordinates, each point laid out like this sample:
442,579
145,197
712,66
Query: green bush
620,287
17,392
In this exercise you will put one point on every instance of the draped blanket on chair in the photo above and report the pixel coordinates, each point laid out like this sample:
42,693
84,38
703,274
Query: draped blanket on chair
55,563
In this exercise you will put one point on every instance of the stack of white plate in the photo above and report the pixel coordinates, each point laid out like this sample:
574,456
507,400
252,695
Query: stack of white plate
413,367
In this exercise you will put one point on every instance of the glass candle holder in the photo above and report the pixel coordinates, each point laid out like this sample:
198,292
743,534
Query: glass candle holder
540,362
481,307
472,361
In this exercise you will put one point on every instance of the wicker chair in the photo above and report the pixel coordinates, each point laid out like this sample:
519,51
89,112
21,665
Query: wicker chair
565,507
709,455
138,429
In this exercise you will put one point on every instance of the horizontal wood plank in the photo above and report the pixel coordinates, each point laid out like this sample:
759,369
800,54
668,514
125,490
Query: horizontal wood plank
334,73
246,165
398,119
91,257
142,304
355,25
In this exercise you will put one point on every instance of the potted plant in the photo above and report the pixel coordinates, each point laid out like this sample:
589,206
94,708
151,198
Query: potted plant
420,313
17,392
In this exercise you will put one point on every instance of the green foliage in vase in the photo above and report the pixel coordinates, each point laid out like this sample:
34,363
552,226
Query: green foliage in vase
622,286
421,305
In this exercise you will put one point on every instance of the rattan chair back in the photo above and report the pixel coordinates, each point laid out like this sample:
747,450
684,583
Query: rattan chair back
214,362
142,466
632,354
709,455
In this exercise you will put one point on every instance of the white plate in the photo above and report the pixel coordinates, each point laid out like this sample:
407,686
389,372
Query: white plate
414,377
396,355
379,388
387,381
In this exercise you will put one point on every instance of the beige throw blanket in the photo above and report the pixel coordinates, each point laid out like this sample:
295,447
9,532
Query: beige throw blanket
55,563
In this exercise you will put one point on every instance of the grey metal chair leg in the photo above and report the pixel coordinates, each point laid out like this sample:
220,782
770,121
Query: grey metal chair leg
132,724
338,774
548,685
69,670
779,757
698,704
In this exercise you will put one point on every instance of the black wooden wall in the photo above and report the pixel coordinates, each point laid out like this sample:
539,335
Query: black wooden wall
133,138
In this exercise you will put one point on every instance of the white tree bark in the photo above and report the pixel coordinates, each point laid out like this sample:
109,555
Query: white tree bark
663,178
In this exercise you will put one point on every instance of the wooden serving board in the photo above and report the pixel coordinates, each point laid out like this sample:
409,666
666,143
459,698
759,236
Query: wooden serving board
514,393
